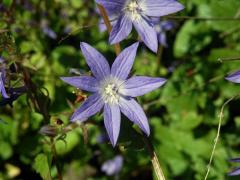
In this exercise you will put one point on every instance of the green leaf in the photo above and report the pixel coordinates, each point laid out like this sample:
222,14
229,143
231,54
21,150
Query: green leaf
42,167
224,9
192,38
5,150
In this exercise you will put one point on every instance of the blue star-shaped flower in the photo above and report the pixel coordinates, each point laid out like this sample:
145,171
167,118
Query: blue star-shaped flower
112,90
138,13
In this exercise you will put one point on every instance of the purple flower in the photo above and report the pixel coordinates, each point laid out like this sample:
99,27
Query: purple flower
234,77
49,32
138,13
161,27
113,166
112,90
3,78
235,171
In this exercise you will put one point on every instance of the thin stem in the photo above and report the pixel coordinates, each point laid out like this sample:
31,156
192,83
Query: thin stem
55,159
221,115
159,58
205,18
154,158
109,26
221,60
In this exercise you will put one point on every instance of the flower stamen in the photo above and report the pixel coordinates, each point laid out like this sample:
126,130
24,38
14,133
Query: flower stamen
133,10
110,90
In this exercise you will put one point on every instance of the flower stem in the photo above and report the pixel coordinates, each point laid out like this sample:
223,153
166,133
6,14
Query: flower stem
218,134
205,18
154,158
159,58
55,159
109,26
221,60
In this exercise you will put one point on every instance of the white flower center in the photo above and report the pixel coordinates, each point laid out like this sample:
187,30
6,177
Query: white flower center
109,90
133,9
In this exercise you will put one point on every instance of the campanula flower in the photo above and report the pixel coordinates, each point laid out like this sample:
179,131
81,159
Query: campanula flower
234,77
112,90
235,171
113,166
138,13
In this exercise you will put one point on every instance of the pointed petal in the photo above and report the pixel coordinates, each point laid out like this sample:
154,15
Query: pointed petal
131,109
147,33
234,172
120,30
86,83
124,62
96,61
112,119
140,85
161,7
2,87
112,7
91,106
234,77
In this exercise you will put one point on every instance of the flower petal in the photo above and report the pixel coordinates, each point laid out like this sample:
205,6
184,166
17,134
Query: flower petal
86,83
2,87
161,7
101,25
120,30
124,62
234,77
234,160
112,7
91,106
162,39
140,85
234,172
96,61
112,120
113,166
131,109
147,33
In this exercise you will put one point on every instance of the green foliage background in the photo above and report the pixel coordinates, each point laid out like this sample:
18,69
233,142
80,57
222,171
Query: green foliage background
183,114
